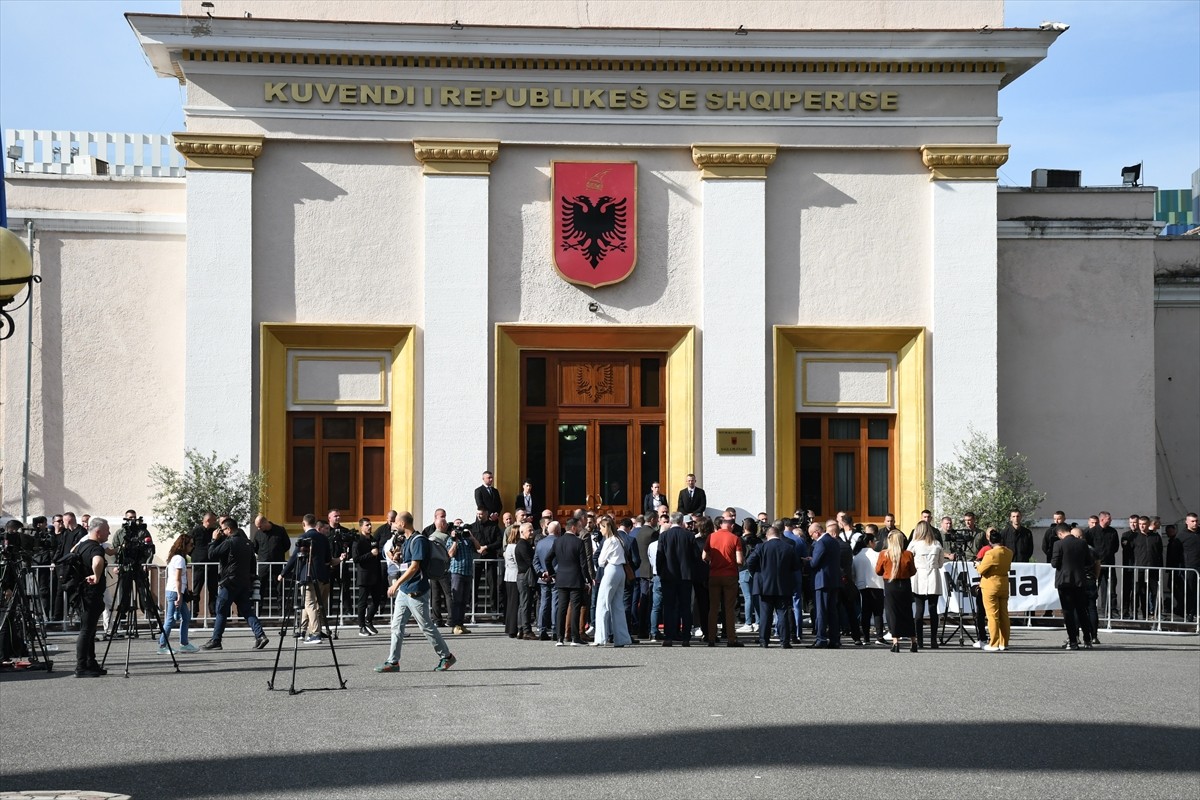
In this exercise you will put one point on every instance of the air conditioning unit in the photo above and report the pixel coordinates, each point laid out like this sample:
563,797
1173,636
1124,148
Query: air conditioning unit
1055,178
89,165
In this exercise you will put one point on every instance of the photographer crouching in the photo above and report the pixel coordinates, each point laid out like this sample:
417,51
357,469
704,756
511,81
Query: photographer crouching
238,568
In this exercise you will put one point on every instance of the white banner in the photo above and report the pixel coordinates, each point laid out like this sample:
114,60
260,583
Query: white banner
1030,588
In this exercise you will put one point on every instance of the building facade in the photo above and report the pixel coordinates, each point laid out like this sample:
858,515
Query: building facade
364,286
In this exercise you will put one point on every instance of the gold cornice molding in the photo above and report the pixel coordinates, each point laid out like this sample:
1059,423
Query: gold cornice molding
964,162
231,152
589,65
738,161
456,157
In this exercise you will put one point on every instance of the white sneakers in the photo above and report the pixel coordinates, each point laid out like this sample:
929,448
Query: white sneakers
978,645
987,648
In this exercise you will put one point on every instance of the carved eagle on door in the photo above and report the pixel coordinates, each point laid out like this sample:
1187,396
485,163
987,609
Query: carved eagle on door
594,230
594,380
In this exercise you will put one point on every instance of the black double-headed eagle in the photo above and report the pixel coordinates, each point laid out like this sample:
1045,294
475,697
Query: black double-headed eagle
594,230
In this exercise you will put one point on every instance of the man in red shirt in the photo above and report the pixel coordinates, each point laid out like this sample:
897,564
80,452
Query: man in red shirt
724,554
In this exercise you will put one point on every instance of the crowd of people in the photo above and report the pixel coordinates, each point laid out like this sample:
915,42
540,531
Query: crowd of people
676,578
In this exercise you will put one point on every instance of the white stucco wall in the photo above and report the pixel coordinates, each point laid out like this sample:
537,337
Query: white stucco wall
1077,370
1176,397
107,372
337,233
762,14
848,238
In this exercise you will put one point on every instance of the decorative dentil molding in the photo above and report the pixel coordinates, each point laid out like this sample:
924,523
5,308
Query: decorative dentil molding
738,161
455,157
964,162
231,152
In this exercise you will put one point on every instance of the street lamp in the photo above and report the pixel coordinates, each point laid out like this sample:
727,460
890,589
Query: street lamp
16,272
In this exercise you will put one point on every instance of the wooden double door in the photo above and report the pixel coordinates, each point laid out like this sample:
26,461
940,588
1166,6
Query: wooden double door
593,428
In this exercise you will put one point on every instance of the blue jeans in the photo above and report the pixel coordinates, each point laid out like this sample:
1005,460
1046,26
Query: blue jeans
749,600
175,608
797,613
226,597
655,606
405,606
547,615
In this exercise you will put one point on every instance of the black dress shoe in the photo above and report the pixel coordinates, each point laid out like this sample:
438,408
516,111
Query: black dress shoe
687,643
545,637
786,646
87,673
895,647
1070,646
735,644
667,643
818,646
763,645
211,644
710,643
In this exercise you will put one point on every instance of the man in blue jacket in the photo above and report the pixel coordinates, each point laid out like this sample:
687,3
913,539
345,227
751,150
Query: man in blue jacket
827,581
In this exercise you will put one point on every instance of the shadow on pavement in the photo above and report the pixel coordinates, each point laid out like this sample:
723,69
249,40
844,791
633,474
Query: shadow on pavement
911,749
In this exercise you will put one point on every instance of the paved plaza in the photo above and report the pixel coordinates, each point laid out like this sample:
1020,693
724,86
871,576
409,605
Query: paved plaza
526,719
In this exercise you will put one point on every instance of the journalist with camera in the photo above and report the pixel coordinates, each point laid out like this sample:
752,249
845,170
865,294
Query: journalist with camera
235,578
310,564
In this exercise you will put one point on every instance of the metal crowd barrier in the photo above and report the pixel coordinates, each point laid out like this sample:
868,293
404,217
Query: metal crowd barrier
273,597
1158,599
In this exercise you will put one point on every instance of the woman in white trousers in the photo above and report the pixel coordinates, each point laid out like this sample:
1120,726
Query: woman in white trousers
610,606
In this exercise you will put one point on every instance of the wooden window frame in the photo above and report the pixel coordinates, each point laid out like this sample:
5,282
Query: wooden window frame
861,447
322,446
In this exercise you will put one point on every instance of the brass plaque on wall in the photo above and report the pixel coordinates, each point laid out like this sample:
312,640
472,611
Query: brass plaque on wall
735,441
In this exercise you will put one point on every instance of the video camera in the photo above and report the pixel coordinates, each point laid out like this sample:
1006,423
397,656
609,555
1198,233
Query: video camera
24,543
136,545
960,537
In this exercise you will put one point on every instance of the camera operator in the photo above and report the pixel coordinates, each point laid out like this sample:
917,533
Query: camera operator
91,597
462,550
313,546
133,546
204,573
234,553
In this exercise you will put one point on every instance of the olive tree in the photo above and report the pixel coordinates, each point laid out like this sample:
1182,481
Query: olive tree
985,478
205,484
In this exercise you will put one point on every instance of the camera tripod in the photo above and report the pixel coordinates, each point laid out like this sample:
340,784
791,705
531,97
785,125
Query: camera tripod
21,618
959,575
133,588
290,616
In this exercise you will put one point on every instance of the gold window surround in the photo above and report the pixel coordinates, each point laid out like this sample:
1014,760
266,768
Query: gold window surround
678,341
277,339
456,156
911,443
806,403
230,152
738,161
963,162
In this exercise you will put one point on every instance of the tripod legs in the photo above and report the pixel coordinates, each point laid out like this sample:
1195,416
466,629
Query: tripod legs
289,620
133,587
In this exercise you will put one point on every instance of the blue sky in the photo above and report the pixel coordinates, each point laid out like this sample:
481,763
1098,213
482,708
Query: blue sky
1121,86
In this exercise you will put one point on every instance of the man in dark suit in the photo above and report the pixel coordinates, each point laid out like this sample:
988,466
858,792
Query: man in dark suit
774,566
1018,538
646,533
652,501
1189,548
569,567
487,497
827,582
675,562
692,499
526,501
1071,560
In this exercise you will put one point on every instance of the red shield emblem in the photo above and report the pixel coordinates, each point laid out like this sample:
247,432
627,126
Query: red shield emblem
595,220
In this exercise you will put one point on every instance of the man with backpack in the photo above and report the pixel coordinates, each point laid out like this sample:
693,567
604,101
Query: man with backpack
420,561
